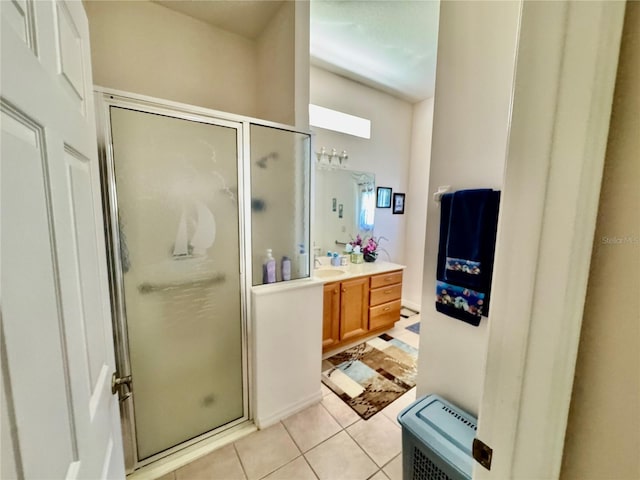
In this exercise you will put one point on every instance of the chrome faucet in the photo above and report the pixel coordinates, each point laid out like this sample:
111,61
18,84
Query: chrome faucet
316,262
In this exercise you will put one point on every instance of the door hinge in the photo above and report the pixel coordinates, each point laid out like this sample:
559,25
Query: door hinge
482,453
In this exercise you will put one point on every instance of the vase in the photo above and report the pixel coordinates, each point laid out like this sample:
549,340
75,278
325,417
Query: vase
370,257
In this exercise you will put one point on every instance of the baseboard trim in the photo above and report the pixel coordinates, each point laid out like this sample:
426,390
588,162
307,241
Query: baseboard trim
411,305
268,420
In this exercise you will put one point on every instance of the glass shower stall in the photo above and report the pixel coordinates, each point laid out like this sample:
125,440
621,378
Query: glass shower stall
192,199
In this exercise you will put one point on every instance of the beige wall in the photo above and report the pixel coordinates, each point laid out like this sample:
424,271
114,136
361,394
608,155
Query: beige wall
418,197
474,77
275,73
145,48
603,433
302,74
386,154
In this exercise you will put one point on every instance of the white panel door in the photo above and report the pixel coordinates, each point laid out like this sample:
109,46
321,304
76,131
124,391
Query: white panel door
59,418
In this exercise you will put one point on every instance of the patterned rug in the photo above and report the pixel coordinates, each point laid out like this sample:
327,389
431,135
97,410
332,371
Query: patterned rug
407,312
415,328
370,376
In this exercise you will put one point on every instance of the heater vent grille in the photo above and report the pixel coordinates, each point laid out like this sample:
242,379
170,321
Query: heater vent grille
459,417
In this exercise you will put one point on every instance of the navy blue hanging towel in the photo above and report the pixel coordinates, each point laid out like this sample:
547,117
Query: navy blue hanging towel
468,224
471,237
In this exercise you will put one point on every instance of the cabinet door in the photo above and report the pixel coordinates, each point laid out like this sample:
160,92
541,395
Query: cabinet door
331,315
354,308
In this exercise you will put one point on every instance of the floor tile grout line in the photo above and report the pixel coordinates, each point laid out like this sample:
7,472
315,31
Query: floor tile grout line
334,417
311,466
331,436
294,443
244,471
302,452
376,472
387,464
354,441
288,463
324,441
291,436
362,448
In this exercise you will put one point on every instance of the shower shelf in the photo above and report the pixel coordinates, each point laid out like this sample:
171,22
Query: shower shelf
199,282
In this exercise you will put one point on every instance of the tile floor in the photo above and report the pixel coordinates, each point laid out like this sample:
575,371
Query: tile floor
327,441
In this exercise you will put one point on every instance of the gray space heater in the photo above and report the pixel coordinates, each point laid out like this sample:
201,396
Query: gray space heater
437,438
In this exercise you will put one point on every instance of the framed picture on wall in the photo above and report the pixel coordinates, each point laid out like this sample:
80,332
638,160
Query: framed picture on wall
398,203
383,197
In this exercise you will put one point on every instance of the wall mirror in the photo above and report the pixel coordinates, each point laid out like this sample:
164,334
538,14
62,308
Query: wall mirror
345,207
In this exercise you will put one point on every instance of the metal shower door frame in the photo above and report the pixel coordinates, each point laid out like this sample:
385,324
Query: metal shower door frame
105,99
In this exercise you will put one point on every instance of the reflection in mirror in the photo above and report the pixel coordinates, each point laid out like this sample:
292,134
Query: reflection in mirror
345,207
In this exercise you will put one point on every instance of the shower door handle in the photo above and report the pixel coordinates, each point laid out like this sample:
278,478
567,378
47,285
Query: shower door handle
117,382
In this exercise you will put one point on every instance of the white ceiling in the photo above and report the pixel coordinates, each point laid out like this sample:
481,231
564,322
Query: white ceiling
387,44
390,45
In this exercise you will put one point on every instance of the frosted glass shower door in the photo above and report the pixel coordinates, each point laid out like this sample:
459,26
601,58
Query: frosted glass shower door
177,196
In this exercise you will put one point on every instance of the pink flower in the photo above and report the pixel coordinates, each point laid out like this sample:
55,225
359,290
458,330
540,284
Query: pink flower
369,247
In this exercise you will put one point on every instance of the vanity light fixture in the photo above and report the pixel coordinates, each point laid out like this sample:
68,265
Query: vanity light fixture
333,160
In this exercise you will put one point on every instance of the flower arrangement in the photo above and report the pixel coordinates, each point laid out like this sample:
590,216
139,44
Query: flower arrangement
368,247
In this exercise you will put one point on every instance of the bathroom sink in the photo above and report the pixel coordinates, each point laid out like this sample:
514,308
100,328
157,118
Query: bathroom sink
328,273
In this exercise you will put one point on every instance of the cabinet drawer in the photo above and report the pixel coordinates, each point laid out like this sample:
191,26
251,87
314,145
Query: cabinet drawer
385,294
384,315
385,279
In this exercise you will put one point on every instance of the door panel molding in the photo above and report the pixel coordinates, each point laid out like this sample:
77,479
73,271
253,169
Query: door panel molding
20,15
70,54
39,273
51,250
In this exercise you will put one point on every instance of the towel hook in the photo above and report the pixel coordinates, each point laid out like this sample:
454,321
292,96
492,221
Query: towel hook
441,191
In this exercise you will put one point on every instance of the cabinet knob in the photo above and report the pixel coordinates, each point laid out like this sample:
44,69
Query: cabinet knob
386,309
336,290
387,292
344,290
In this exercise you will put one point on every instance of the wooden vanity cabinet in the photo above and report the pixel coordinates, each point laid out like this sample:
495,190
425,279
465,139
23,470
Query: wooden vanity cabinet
385,300
354,308
358,307
331,315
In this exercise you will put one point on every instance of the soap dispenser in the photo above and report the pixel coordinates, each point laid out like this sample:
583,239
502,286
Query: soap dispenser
269,268
286,268
302,262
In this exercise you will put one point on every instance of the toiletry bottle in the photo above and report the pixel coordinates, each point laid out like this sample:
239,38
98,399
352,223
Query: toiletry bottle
269,268
302,262
286,268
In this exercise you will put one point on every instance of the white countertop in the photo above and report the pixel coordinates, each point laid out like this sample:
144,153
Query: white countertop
328,274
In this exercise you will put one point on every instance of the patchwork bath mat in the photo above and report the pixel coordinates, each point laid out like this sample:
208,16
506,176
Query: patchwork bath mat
370,376
415,328
407,312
